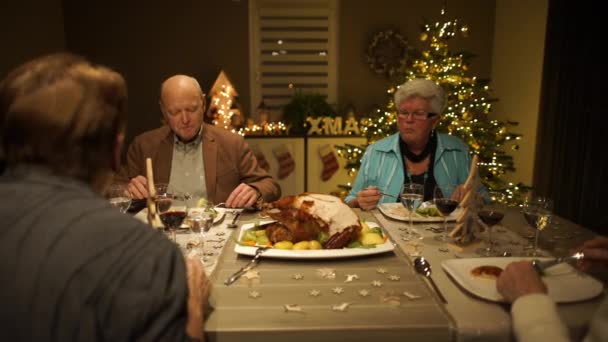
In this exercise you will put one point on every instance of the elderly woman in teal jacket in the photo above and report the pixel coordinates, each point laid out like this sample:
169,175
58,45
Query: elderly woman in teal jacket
416,154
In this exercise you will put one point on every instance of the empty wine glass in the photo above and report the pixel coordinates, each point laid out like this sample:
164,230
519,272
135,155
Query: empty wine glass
491,213
119,197
411,197
537,211
446,204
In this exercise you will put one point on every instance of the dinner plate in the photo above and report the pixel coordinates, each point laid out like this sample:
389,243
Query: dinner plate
143,215
398,212
387,246
565,284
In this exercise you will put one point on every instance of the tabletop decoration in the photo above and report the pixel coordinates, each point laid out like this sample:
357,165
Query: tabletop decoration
377,283
327,273
394,277
293,308
381,270
363,293
252,274
297,276
351,277
220,233
341,307
254,294
218,246
411,296
337,290
220,240
314,293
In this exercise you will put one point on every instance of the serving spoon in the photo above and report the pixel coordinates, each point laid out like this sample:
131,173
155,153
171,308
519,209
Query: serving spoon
423,267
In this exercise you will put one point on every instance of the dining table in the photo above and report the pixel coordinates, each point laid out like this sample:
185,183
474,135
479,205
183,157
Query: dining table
373,296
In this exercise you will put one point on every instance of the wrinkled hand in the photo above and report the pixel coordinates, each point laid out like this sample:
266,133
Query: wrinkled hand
198,293
368,198
138,187
242,197
519,279
596,253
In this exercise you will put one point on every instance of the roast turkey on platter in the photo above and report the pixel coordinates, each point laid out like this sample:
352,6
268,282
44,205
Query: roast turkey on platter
303,217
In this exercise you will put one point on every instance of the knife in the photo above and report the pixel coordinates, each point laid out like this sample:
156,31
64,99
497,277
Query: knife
541,266
234,277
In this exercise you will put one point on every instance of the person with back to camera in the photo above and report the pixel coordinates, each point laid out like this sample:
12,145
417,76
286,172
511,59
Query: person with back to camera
195,157
534,314
415,154
73,268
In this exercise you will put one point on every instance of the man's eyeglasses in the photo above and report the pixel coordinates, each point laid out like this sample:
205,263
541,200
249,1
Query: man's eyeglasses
417,115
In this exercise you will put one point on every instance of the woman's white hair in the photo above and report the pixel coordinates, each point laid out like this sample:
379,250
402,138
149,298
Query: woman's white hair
425,89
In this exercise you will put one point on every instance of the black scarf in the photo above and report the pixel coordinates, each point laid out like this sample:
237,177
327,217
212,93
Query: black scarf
429,181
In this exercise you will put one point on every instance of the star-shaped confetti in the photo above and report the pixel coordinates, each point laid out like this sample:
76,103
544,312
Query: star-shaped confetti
394,277
337,290
293,308
341,307
254,294
391,300
314,293
377,283
410,296
297,276
363,293
252,275
381,270
327,273
351,277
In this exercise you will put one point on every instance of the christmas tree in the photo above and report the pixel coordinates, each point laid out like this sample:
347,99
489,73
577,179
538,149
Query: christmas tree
222,107
468,114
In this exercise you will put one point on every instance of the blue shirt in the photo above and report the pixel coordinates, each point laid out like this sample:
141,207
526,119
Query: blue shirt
382,166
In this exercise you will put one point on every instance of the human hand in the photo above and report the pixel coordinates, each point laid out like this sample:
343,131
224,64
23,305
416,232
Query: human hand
596,253
138,187
242,196
519,279
368,198
198,293
458,193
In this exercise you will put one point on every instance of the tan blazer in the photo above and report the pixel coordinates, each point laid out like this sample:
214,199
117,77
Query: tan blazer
227,157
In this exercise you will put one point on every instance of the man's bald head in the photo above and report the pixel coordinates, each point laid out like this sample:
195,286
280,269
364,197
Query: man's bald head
183,105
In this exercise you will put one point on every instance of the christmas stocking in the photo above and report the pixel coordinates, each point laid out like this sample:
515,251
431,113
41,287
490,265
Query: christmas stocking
286,162
330,162
259,155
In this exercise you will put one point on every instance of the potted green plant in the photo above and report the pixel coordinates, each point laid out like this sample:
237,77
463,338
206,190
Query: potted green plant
303,105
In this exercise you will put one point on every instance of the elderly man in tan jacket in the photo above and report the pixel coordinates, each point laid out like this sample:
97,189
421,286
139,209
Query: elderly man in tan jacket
195,157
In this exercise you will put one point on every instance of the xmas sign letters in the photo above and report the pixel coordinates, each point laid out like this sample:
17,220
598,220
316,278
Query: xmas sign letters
332,126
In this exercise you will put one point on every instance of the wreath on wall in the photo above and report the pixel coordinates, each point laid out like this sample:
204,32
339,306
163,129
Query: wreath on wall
387,52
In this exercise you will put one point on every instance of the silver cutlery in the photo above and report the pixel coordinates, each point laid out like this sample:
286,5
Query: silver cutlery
541,266
234,219
422,266
234,277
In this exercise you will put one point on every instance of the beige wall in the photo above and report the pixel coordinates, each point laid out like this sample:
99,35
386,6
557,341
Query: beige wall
517,63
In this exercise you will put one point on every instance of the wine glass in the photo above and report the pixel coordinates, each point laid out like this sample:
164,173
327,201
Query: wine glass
446,204
173,209
119,197
411,197
491,213
537,211
200,219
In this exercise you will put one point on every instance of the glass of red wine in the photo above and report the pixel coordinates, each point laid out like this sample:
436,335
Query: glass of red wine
491,213
173,209
446,202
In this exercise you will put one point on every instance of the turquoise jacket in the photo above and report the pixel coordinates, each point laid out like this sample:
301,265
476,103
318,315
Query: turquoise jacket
382,165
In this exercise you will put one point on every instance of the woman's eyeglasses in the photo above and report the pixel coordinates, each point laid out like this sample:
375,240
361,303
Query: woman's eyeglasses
417,115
